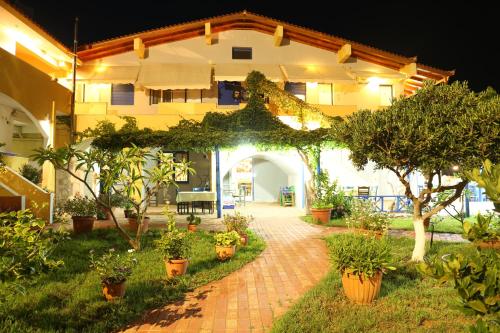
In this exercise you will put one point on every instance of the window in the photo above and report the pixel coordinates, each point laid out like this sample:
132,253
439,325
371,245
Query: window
122,94
167,96
242,53
160,96
231,93
386,94
319,93
296,88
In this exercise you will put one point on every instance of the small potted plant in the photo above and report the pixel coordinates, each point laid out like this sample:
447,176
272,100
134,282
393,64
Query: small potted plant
193,221
366,220
238,223
362,261
321,206
175,247
485,233
113,269
83,211
225,244
133,224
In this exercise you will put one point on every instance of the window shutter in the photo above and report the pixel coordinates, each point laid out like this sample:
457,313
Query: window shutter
122,94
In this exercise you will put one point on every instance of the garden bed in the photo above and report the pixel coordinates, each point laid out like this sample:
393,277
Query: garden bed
407,303
70,299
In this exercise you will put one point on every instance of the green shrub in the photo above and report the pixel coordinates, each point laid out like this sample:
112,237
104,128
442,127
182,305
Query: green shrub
112,267
487,228
227,239
237,222
359,255
174,244
31,173
25,246
80,206
193,220
364,216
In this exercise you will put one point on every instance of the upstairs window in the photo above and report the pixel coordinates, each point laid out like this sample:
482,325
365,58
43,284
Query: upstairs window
242,53
298,89
122,94
231,93
160,96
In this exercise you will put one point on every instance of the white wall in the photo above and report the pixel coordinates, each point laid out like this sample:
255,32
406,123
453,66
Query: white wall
268,178
6,127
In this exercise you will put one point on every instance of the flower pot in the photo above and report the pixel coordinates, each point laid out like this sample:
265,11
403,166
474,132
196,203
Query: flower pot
361,290
225,252
191,227
492,244
244,239
322,215
132,223
176,267
112,291
127,212
82,224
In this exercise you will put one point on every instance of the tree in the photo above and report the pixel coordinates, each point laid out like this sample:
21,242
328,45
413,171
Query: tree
440,127
123,172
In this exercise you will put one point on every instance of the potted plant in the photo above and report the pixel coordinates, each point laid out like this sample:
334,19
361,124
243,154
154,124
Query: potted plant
321,206
485,233
83,211
225,244
175,247
238,223
133,224
362,261
193,221
365,219
113,269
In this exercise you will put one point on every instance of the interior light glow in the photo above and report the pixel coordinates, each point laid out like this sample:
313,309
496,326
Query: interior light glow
373,83
312,85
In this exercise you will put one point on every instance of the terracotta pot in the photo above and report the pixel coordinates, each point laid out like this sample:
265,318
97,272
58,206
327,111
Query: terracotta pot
132,222
244,239
192,227
361,290
225,252
82,224
112,291
176,267
493,244
322,215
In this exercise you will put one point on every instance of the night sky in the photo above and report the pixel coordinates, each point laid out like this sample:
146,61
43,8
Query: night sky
446,35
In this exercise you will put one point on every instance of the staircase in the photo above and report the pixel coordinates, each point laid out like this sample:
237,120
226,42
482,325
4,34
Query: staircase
15,190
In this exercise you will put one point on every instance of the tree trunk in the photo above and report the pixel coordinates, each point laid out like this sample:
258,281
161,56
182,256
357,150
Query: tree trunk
418,225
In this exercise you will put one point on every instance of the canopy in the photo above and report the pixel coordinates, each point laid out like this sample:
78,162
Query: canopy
306,73
239,72
109,74
175,76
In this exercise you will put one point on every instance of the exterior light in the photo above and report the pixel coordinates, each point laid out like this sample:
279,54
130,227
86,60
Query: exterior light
373,83
455,168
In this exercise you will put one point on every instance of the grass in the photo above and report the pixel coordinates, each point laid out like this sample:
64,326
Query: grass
70,299
407,303
448,224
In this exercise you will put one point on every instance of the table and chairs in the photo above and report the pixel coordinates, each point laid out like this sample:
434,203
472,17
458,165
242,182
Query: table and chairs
189,201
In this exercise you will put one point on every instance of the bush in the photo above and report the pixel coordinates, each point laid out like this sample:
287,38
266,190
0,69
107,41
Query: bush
31,173
237,222
80,206
359,255
364,216
25,246
227,239
486,229
193,220
112,267
174,244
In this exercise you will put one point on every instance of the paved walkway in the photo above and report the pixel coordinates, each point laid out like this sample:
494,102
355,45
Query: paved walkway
248,300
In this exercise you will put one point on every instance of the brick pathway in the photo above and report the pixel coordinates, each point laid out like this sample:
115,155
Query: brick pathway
248,300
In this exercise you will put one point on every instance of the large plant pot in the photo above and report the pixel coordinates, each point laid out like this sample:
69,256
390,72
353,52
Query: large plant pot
493,244
82,224
322,215
361,290
132,222
225,252
244,239
176,267
191,227
113,291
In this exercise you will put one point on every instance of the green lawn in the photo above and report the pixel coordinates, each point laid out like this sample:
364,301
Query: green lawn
408,302
448,224
70,299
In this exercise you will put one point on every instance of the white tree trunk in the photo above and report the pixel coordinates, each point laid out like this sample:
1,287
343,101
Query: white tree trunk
419,249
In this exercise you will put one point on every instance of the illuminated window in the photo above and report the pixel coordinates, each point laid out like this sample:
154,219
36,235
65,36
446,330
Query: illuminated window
386,94
319,93
122,94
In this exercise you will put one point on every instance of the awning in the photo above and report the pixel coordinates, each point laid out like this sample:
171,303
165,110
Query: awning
175,76
239,72
313,73
108,74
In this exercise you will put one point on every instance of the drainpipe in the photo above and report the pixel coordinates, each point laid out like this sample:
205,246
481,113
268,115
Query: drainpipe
217,182
72,114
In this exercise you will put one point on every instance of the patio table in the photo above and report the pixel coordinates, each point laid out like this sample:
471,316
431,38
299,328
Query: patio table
205,198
